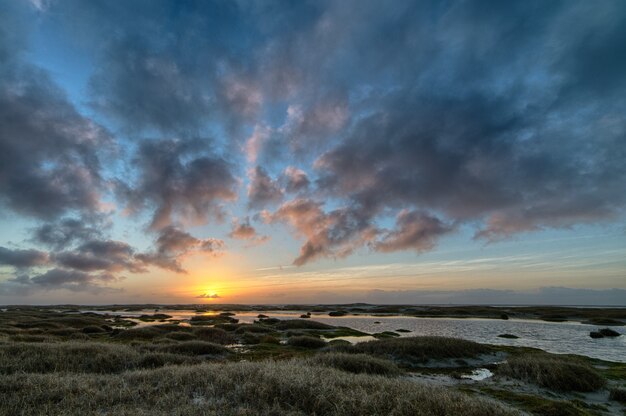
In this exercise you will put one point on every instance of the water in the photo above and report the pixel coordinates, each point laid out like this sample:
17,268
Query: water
555,337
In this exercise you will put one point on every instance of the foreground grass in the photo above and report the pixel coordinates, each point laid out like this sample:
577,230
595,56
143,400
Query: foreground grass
284,388
553,372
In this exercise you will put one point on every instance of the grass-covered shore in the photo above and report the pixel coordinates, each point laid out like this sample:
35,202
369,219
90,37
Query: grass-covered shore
57,362
606,316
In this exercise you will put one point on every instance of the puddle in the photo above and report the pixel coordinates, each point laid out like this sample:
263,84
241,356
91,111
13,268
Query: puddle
478,374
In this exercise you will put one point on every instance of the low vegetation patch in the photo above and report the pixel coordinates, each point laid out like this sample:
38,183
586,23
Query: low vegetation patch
418,350
355,363
618,394
306,342
195,348
67,357
553,372
301,324
284,388
214,335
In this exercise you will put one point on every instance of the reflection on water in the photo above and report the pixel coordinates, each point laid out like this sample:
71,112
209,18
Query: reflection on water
556,337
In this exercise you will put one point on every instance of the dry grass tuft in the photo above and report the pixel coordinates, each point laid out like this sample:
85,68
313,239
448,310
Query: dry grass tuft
553,372
355,363
417,350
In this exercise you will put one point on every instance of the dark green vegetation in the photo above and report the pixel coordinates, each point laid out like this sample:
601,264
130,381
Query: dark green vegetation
65,362
553,372
618,394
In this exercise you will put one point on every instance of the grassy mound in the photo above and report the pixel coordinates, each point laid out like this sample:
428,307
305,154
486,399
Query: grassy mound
301,324
195,348
214,335
413,350
286,388
355,363
553,372
306,342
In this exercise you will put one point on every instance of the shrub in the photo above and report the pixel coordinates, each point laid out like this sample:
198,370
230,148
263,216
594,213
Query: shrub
553,372
355,363
195,348
306,342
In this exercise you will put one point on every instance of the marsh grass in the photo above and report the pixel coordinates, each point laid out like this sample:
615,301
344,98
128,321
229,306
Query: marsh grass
81,357
417,350
195,348
553,372
214,335
306,342
618,394
268,388
355,363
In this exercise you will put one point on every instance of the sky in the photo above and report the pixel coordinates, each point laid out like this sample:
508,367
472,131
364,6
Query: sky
276,152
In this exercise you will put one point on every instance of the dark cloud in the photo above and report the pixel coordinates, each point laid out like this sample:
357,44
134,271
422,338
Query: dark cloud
55,279
22,258
263,190
49,153
161,66
181,180
173,244
65,232
104,255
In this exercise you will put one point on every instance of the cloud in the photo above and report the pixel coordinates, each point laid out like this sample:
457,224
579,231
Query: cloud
173,245
55,279
64,232
105,255
245,231
50,155
295,179
414,230
209,296
262,190
22,258
181,180
334,234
